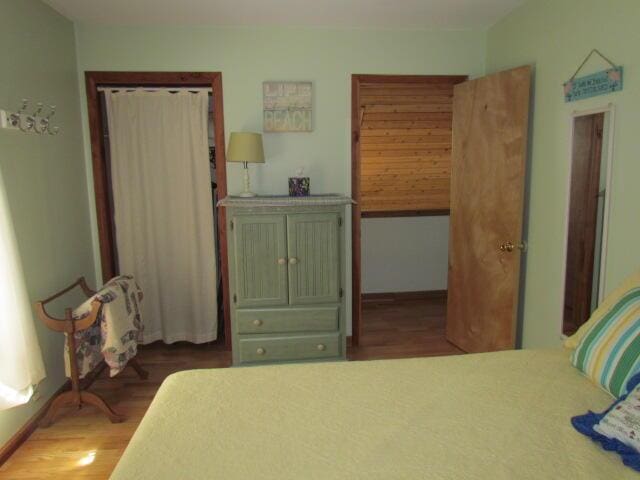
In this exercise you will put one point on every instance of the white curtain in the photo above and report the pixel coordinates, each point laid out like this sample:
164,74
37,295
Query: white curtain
21,364
163,209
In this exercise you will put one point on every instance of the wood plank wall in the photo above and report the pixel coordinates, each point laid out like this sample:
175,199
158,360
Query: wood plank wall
405,144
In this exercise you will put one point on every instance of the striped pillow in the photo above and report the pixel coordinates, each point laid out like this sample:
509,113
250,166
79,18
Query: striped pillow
607,304
609,352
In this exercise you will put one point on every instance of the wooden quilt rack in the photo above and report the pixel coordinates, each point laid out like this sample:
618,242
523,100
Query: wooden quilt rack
78,395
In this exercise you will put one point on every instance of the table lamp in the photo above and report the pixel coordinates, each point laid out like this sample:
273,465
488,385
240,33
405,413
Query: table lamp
245,147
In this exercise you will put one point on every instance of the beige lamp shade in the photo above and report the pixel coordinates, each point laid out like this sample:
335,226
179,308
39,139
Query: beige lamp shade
245,147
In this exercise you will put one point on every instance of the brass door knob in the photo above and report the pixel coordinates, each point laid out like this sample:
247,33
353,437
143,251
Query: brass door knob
260,351
321,347
257,322
293,260
510,247
282,261
507,247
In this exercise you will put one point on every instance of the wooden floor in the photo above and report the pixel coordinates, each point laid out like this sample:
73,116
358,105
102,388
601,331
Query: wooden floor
85,445
401,328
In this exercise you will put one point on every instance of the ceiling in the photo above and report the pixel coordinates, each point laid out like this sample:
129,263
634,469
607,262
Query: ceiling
440,14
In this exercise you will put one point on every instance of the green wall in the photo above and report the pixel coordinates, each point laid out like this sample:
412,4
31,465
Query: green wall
554,36
44,175
248,56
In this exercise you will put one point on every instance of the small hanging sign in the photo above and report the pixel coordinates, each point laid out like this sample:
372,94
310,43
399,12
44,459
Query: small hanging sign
599,83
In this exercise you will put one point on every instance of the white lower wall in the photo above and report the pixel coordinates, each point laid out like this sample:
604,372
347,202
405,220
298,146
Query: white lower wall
404,254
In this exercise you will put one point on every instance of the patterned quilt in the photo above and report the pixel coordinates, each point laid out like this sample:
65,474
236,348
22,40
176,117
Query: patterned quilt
114,335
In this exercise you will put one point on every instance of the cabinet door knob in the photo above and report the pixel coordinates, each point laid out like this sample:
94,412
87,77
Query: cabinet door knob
260,351
322,347
282,261
257,322
293,260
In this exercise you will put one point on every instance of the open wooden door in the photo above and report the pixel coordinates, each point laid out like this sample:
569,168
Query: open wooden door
490,124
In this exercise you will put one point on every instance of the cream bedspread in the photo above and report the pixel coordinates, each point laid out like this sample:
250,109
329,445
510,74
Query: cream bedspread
489,416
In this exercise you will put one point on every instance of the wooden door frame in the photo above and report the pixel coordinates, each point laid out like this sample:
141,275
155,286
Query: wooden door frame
609,111
356,213
104,211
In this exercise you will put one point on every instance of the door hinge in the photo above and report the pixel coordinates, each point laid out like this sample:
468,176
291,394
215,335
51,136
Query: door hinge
341,292
339,221
231,224
235,298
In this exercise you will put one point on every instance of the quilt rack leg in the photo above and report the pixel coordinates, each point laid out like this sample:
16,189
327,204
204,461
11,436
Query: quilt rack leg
97,401
142,373
71,399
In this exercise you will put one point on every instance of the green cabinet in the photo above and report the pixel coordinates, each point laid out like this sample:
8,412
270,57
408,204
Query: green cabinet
287,277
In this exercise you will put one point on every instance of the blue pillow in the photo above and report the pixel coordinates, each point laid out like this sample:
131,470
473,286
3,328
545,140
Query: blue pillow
585,423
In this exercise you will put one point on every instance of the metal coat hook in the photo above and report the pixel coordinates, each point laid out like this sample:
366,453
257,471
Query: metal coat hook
39,107
25,105
52,112
39,123
15,119
29,120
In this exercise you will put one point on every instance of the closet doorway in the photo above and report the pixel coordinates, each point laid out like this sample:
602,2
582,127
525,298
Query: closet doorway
99,82
401,151
587,215
425,145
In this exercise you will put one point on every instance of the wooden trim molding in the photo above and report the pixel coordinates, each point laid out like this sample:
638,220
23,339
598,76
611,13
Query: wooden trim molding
28,428
407,213
31,425
400,296
376,78
356,247
104,210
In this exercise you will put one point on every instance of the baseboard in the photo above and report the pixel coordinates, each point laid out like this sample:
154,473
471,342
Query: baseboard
28,428
395,296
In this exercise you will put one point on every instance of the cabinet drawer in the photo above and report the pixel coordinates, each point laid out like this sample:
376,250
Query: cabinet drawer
301,347
323,319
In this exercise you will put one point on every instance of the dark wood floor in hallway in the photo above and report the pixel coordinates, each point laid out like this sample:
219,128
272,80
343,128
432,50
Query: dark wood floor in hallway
403,327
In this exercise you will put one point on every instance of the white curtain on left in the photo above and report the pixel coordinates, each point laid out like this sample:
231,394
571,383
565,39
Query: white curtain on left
163,209
21,364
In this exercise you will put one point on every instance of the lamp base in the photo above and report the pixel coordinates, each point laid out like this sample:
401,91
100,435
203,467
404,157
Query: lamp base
246,194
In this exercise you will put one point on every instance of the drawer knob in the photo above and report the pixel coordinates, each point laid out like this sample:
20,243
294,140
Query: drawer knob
322,347
293,260
257,322
260,351
282,261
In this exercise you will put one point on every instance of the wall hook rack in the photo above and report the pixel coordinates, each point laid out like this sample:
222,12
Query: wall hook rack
37,122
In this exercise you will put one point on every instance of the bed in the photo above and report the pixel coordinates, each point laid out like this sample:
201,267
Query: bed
494,416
